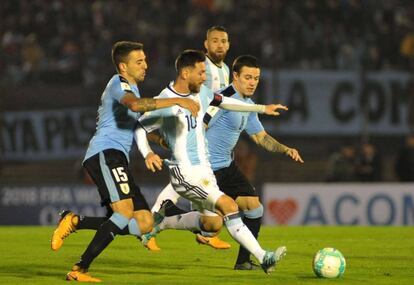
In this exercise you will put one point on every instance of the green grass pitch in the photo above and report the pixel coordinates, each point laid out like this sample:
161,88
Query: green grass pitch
374,255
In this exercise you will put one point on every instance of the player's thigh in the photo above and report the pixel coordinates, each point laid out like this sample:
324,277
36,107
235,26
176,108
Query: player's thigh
197,184
109,170
234,183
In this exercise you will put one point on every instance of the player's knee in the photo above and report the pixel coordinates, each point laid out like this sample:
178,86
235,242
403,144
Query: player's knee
211,226
246,203
144,220
254,213
226,205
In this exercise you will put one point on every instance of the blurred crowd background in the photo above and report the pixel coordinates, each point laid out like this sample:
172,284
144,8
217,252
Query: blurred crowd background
56,54
67,42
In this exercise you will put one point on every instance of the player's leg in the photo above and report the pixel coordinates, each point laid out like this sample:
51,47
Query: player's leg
109,169
199,185
211,240
167,193
240,233
235,184
252,211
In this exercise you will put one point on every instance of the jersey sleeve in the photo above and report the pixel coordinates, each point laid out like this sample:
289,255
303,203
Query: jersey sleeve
118,87
253,125
153,120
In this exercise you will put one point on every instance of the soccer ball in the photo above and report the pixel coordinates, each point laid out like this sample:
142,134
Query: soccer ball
329,263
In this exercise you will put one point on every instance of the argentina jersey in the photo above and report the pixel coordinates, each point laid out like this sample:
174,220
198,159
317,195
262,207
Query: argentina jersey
225,128
183,133
115,122
217,76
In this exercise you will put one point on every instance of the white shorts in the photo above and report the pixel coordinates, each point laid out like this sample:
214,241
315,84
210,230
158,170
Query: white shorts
197,184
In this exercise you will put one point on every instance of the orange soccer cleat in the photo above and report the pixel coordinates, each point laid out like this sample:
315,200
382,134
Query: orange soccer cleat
214,242
65,227
151,244
76,275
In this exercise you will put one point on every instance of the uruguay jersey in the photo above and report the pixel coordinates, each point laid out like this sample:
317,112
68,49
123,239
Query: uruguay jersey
184,134
217,76
225,128
116,122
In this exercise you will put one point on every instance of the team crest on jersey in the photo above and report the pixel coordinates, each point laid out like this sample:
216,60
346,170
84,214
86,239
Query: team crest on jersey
205,182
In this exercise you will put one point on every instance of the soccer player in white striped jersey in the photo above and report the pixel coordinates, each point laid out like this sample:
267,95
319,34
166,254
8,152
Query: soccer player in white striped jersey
190,170
217,45
217,72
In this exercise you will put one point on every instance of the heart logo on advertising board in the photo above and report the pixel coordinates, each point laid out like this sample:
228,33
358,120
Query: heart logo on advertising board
282,210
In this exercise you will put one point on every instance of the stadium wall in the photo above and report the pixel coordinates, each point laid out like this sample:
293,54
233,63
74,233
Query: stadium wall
339,204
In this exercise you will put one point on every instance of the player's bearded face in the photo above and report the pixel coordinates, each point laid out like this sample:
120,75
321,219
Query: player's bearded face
197,77
247,80
217,45
137,65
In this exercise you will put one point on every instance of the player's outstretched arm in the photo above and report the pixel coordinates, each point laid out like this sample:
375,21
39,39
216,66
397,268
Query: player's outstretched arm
271,109
270,144
152,161
149,104
232,104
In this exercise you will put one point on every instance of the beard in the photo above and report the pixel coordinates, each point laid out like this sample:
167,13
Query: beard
217,58
194,88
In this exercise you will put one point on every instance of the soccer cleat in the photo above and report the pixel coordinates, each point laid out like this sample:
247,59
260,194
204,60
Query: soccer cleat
151,244
64,228
248,265
272,258
79,276
214,242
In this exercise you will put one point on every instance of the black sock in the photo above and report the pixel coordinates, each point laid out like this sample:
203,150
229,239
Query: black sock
90,223
172,210
103,237
254,226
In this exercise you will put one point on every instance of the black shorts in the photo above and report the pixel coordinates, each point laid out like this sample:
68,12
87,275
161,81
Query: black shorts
109,170
233,182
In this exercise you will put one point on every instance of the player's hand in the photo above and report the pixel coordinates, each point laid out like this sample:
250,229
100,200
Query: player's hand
153,162
190,105
272,109
294,154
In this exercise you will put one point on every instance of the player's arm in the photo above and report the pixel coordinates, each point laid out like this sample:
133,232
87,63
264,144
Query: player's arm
156,138
232,104
152,160
150,104
146,124
270,144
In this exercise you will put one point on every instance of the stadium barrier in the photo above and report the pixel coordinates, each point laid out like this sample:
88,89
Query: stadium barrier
339,204
40,205
285,204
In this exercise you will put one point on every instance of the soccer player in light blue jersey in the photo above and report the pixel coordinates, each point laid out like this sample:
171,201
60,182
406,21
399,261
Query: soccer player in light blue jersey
190,170
107,158
223,133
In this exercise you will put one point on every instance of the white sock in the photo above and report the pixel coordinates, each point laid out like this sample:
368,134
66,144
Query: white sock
188,221
241,233
168,193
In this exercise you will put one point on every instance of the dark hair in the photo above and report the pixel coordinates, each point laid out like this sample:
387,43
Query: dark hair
189,58
244,60
216,28
121,50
